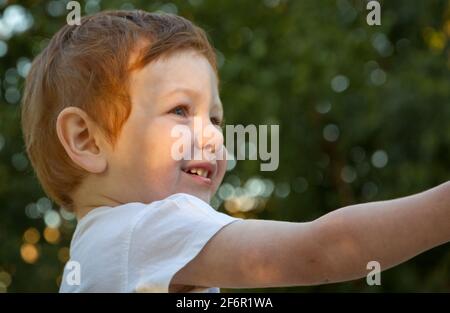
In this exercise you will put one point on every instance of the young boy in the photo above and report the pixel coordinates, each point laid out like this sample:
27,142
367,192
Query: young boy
99,108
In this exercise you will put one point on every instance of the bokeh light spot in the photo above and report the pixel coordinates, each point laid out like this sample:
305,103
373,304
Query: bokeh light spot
31,235
29,253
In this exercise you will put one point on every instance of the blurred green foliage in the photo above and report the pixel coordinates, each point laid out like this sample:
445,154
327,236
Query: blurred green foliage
363,111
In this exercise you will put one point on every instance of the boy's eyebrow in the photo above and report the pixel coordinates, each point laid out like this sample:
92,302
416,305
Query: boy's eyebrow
194,94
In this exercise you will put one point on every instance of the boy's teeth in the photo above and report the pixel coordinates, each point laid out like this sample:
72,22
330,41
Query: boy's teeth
199,172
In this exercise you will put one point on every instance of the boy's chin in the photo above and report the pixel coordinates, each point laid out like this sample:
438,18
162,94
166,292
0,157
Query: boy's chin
202,196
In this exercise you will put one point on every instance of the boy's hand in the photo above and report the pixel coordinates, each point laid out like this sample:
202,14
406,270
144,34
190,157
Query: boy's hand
333,248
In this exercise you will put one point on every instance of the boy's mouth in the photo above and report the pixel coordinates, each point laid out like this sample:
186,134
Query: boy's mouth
198,171
202,172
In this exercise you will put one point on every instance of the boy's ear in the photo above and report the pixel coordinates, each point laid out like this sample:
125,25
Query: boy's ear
81,139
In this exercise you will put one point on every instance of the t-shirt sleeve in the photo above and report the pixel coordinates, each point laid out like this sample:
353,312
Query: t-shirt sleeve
167,236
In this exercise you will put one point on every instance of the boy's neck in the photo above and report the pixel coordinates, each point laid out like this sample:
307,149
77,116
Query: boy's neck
85,200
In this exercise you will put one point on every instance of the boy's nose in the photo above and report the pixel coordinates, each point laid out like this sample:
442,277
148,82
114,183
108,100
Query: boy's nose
208,138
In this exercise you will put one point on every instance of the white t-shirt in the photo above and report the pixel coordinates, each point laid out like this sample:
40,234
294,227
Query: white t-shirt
139,247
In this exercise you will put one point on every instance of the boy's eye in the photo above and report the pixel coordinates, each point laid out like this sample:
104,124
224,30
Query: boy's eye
216,121
183,110
180,110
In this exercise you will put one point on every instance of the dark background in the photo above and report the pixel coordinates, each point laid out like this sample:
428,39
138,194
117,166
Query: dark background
363,111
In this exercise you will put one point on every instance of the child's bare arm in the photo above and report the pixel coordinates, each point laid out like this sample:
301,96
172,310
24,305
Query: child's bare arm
333,248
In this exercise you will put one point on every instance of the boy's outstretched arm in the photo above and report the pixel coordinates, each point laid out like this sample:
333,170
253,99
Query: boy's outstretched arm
335,247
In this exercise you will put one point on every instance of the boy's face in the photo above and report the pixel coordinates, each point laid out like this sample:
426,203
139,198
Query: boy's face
175,90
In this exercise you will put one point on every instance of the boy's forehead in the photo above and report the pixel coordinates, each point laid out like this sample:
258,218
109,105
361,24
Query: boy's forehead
193,93
185,69
183,73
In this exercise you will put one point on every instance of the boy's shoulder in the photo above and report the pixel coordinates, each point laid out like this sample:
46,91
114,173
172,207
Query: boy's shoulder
131,216
140,208
149,243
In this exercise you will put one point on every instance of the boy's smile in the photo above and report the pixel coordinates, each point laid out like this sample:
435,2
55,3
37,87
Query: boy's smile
202,172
